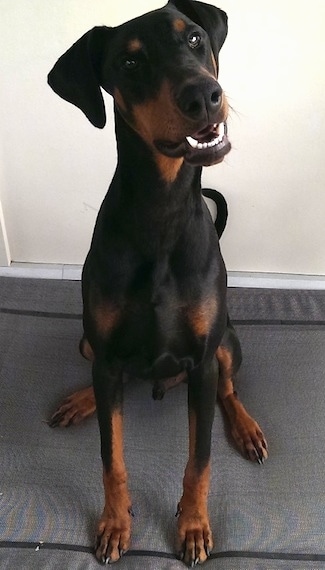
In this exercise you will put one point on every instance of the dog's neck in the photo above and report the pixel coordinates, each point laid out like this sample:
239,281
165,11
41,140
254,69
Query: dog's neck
148,201
146,171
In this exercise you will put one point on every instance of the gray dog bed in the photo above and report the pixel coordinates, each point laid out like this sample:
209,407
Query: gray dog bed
268,518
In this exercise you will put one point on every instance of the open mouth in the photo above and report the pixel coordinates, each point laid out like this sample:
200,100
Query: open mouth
209,137
205,147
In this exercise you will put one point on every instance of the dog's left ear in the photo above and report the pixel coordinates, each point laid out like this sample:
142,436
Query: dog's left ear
76,75
213,20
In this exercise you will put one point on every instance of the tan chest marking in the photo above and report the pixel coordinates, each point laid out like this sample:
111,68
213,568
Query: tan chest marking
202,316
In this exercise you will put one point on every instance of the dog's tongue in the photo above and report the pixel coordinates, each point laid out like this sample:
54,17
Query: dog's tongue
208,137
207,133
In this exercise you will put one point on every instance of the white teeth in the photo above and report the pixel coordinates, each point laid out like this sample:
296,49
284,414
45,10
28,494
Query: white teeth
196,144
221,131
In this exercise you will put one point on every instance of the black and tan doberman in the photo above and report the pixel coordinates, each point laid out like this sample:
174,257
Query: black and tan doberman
154,281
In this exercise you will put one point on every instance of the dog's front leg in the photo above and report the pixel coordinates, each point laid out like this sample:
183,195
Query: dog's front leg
114,528
194,537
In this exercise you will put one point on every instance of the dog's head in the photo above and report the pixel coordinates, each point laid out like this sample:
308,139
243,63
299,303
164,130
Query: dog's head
161,68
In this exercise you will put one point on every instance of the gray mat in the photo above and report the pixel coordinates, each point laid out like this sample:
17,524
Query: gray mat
266,518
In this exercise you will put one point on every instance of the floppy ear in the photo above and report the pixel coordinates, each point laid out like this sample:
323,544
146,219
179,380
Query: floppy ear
76,75
213,20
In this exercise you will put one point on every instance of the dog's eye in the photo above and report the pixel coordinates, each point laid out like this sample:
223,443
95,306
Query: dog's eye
130,63
194,40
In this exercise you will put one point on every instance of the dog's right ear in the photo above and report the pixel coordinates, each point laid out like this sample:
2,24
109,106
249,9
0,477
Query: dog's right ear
76,75
213,20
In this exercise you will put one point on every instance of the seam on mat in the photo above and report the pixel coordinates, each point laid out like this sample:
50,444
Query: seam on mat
37,546
272,322
42,314
247,322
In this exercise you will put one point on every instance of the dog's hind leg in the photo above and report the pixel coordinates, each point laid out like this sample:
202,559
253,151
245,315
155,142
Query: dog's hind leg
85,349
75,408
245,430
79,405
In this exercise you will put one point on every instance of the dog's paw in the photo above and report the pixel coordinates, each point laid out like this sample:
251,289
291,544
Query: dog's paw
246,432
113,538
194,537
250,438
74,409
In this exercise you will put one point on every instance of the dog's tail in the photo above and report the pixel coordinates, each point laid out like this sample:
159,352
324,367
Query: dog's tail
222,209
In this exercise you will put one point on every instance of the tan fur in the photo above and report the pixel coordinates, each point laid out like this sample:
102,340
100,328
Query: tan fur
106,317
225,360
115,524
179,25
119,100
134,45
202,316
193,523
168,167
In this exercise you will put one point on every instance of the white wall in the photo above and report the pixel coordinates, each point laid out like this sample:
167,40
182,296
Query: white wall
273,69
56,166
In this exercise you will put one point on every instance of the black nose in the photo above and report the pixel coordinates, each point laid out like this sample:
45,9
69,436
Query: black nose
200,100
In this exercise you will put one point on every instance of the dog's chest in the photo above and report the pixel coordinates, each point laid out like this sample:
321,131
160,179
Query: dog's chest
164,323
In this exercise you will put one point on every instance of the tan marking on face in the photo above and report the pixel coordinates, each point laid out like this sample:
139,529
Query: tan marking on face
215,64
205,71
224,108
119,100
159,118
134,45
179,25
202,316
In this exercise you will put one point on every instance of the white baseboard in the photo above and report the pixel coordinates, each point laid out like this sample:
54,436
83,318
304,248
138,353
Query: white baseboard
235,278
42,271
4,243
275,280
